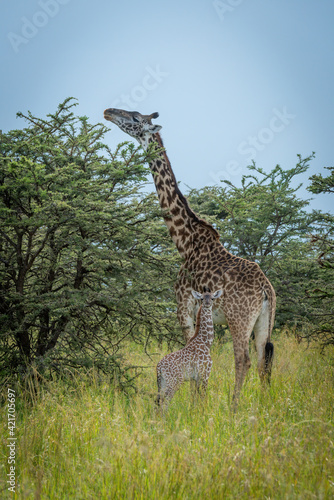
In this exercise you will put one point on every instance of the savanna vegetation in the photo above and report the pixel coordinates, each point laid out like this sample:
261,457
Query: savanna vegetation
85,258
81,438
87,309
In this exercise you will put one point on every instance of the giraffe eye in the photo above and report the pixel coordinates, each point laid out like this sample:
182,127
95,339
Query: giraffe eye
135,119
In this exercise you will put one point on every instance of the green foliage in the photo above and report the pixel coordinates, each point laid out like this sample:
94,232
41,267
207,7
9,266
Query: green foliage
322,184
83,262
321,294
265,221
86,261
86,441
259,219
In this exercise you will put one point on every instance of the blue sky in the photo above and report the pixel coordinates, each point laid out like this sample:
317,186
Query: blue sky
233,80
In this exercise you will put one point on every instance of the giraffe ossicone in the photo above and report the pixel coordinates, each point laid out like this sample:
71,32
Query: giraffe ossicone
133,123
248,300
192,362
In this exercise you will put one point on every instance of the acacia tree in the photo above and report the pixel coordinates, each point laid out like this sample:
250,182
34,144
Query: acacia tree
320,296
83,262
265,221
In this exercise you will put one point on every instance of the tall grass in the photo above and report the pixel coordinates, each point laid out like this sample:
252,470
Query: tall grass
87,441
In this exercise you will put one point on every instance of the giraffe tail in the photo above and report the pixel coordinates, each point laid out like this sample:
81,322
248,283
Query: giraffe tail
268,357
158,398
269,347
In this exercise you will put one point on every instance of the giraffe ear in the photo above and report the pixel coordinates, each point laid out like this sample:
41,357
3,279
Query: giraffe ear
154,128
217,294
196,294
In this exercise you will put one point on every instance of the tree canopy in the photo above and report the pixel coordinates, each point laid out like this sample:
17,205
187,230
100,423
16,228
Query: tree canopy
264,220
84,259
321,294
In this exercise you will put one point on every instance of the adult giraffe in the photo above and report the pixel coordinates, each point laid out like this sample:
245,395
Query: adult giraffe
248,300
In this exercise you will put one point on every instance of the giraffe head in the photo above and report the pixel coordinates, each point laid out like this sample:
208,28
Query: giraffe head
133,123
207,297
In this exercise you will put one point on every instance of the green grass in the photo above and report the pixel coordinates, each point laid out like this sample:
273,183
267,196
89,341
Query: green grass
87,441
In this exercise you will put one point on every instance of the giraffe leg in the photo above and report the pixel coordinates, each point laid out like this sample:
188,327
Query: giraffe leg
265,349
242,365
167,386
198,389
185,304
161,385
201,387
185,315
168,394
201,382
193,390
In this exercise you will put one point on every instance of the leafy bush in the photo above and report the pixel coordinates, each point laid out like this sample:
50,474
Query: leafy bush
264,220
83,261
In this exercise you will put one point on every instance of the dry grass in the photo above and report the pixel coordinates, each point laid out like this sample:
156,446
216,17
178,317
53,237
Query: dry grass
87,441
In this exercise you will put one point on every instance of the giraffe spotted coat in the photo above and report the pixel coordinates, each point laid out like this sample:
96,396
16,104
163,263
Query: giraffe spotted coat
248,301
193,362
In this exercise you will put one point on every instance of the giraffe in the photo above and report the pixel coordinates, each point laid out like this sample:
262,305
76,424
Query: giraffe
193,362
248,300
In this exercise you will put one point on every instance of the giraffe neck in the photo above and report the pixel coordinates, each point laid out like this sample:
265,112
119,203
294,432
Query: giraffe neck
204,326
183,224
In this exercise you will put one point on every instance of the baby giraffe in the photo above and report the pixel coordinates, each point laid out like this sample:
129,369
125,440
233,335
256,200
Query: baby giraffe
193,362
